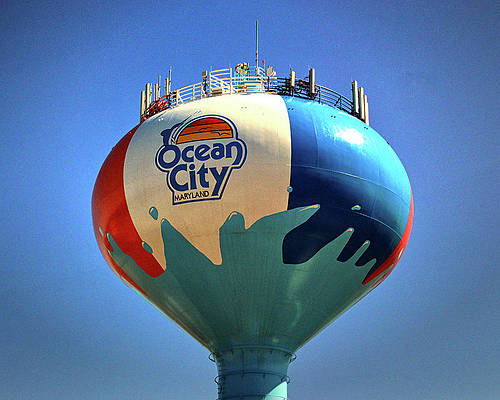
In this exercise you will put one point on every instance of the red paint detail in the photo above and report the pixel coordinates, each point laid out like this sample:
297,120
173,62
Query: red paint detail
107,244
384,276
394,258
110,212
207,121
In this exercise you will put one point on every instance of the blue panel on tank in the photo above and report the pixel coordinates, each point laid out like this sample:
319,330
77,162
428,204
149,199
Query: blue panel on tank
348,168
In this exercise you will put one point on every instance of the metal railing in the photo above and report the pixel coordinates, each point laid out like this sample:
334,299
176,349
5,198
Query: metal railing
321,94
245,80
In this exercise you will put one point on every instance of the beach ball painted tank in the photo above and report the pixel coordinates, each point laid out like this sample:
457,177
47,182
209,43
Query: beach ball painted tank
253,221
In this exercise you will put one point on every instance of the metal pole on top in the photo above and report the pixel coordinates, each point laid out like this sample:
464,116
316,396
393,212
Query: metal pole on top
257,47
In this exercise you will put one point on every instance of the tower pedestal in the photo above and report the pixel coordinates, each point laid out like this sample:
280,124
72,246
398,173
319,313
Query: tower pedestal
253,373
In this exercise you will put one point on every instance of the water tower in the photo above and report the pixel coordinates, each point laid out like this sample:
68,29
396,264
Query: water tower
252,210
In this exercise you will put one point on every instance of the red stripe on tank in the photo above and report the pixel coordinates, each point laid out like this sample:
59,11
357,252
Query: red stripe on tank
389,264
110,212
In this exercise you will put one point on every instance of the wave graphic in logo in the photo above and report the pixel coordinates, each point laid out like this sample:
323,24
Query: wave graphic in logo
198,156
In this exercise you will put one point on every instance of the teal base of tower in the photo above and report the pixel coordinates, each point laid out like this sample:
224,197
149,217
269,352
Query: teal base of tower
253,373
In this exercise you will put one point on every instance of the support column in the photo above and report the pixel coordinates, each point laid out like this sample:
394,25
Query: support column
253,373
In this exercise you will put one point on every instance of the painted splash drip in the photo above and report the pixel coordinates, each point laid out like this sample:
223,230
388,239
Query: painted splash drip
227,302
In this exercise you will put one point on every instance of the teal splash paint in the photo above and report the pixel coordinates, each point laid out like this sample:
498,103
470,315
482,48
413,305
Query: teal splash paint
147,247
153,212
252,268
252,301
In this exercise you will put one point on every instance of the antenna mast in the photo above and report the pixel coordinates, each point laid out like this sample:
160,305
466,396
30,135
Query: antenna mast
257,47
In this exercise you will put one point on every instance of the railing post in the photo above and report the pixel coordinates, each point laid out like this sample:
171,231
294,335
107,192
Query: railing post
203,88
209,83
230,81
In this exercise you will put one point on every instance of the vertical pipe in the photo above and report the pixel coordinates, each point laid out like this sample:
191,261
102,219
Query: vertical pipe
361,97
170,80
143,100
292,80
148,95
312,88
257,47
367,117
355,100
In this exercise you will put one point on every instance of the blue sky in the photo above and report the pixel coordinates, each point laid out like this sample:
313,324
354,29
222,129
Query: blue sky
71,75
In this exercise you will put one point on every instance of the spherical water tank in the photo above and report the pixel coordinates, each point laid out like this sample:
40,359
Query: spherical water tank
253,221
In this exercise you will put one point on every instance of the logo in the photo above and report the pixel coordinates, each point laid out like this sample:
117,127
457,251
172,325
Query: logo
198,156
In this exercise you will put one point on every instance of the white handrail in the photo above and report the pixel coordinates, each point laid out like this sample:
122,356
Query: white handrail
228,81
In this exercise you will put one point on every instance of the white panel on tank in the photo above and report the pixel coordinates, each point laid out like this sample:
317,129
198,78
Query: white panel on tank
257,189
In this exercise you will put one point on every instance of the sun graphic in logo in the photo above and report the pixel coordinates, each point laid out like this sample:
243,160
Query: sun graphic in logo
205,128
